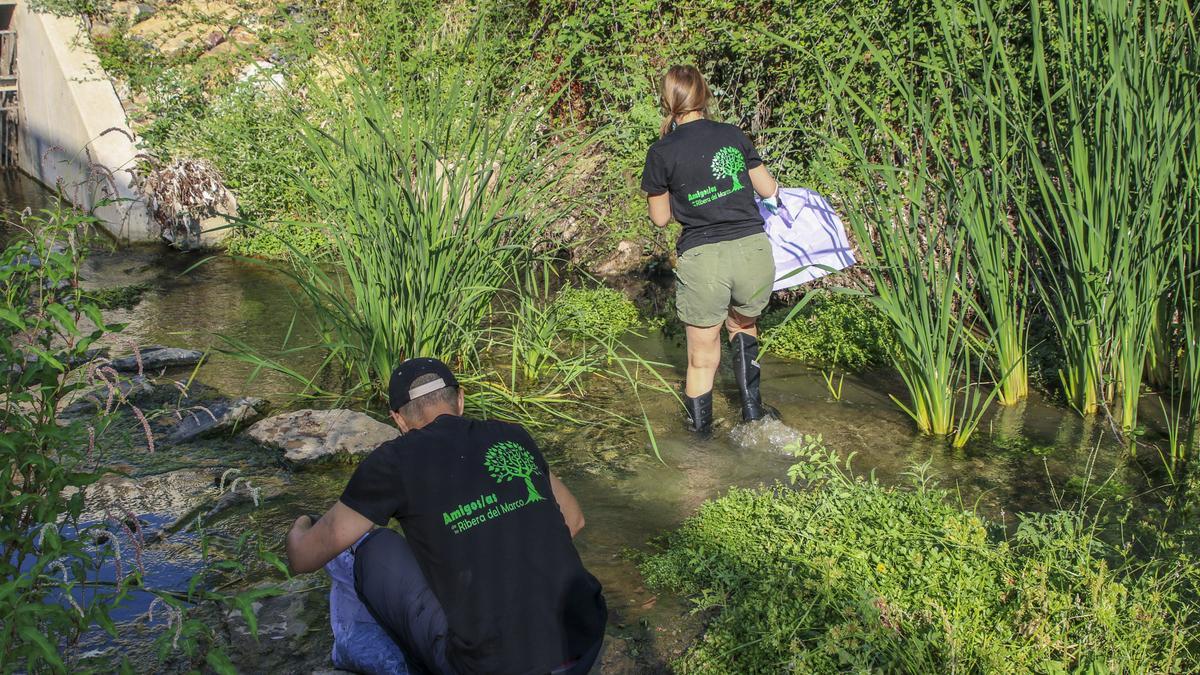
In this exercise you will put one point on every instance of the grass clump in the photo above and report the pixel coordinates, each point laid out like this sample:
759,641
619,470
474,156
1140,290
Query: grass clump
852,575
118,297
831,330
596,312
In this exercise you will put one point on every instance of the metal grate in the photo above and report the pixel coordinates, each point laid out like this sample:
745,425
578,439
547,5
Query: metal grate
8,98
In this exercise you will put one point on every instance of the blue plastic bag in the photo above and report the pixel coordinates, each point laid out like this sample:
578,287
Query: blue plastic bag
359,643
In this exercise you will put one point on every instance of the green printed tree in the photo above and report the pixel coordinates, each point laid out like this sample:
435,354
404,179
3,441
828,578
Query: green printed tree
729,163
508,460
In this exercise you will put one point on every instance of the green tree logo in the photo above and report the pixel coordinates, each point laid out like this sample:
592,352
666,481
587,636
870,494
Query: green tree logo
728,163
508,460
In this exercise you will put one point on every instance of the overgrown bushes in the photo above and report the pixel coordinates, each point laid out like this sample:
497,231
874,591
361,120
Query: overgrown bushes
848,575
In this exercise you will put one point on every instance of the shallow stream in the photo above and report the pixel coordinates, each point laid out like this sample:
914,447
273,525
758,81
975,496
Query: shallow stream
1022,459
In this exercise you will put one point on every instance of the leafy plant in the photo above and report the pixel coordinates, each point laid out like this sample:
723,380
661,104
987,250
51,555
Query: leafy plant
850,575
46,553
596,312
831,329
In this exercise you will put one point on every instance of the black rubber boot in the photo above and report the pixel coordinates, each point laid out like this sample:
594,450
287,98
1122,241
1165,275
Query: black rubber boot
699,411
746,372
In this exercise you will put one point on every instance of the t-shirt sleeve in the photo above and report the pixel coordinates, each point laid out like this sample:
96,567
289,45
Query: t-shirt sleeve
654,174
375,490
752,159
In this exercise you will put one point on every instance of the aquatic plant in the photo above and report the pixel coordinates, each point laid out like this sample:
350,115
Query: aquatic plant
848,574
432,213
1116,109
917,258
598,311
978,153
830,329
437,217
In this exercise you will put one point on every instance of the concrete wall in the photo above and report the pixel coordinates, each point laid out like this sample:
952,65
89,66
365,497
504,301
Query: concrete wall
67,104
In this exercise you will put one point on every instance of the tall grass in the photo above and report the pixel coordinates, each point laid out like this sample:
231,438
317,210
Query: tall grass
1116,105
1180,350
979,159
916,258
438,196
930,213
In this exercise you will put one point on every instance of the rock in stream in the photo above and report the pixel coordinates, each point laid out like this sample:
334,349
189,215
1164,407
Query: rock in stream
307,436
217,416
156,358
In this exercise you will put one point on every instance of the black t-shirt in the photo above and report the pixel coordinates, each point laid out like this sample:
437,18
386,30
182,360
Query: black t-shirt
475,503
705,165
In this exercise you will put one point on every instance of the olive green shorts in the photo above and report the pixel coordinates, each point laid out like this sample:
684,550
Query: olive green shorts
714,278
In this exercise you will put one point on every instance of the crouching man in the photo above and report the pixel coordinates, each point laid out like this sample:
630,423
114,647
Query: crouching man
486,578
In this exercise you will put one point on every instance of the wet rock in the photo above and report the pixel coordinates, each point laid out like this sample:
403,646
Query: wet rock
310,435
99,398
216,416
233,492
173,494
626,259
245,492
293,629
157,357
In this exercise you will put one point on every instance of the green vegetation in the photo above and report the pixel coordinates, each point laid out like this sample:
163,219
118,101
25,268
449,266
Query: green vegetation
251,136
831,330
117,297
434,216
45,553
1059,174
851,575
61,572
596,312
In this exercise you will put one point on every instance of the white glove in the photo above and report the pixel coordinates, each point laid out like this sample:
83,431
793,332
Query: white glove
772,202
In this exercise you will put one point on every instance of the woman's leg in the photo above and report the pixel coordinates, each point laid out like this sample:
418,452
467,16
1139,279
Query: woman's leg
704,356
750,292
736,323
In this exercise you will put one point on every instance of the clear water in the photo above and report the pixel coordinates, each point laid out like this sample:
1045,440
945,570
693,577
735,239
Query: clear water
1021,460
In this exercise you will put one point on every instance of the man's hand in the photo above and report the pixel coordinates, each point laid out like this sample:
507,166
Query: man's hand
311,545
572,514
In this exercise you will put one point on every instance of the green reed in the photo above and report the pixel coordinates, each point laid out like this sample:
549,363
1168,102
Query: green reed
437,195
946,267
1116,104
979,159
917,262
1179,348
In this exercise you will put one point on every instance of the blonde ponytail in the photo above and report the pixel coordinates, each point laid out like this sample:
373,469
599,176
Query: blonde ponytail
683,91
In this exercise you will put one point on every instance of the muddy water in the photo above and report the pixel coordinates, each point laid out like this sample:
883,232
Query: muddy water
1021,460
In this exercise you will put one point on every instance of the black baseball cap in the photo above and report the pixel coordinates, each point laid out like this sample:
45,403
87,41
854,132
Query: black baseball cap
401,389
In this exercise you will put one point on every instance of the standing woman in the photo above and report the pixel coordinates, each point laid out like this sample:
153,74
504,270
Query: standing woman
704,174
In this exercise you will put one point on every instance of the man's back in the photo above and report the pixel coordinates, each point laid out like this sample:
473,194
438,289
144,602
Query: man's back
475,502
